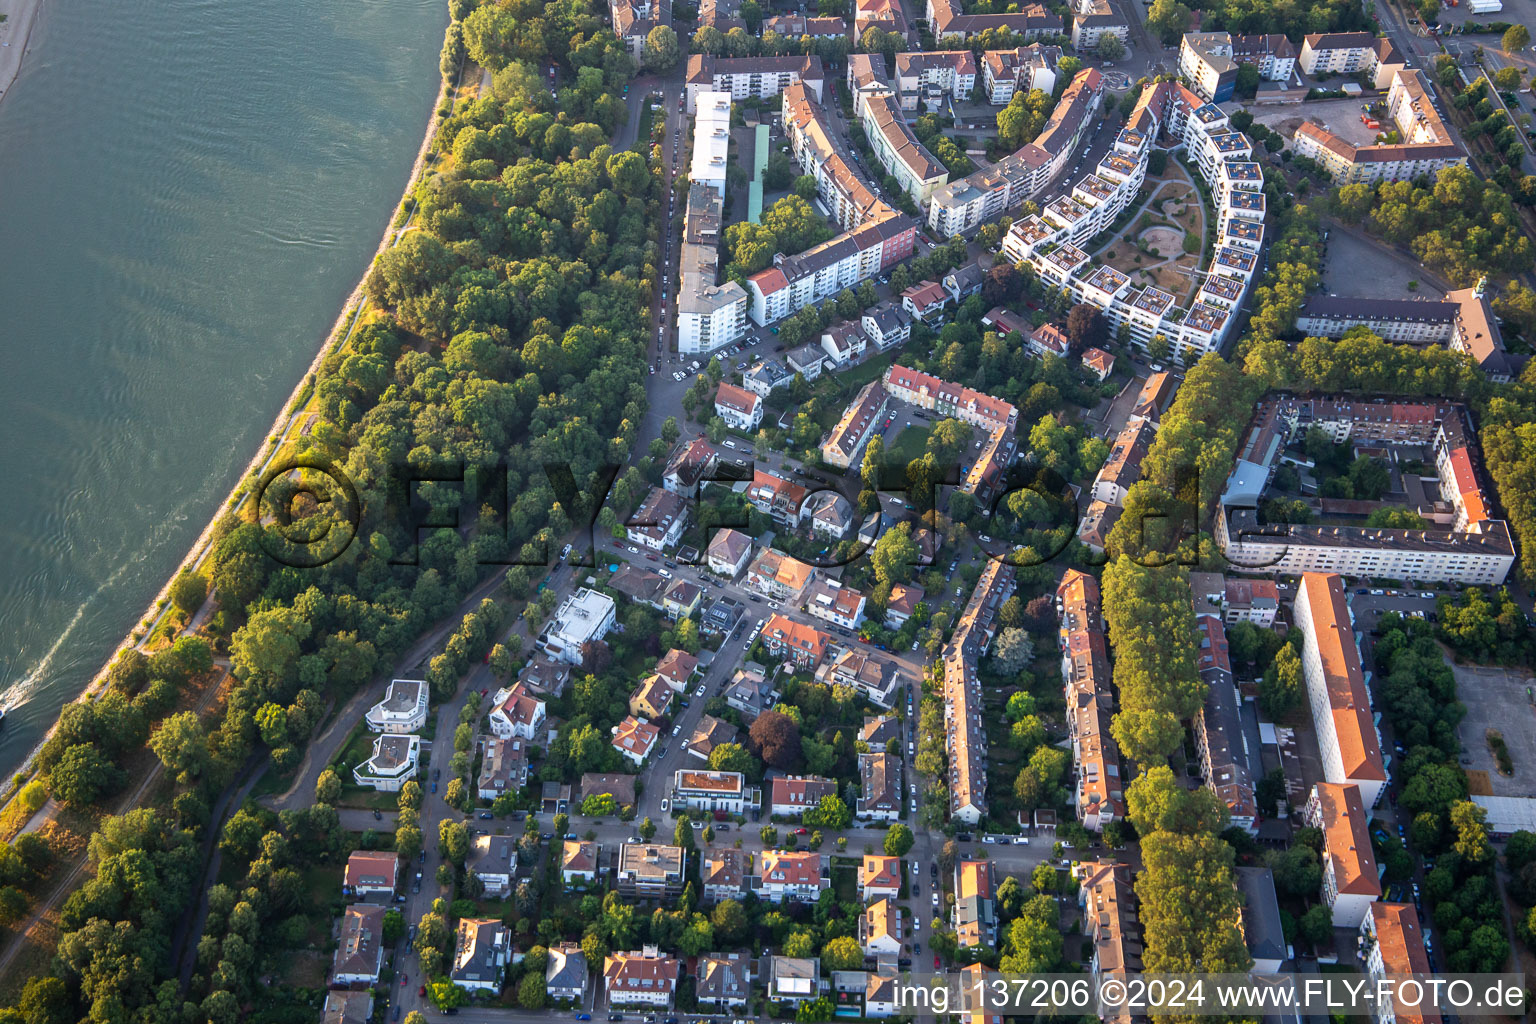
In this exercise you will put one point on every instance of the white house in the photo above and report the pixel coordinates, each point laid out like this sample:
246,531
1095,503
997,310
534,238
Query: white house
635,739
392,765
796,876
403,709
371,873
492,859
880,928
643,978
583,617
518,714
360,949
714,791
565,973
739,408
578,862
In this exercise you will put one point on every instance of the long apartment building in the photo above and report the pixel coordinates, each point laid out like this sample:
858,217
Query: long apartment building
947,19
824,156
965,733
1050,241
1342,718
1219,728
1476,549
1427,145
905,158
1463,321
998,419
1345,53
1024,69
1208,61
1111,921
1350,880
987,194
875,235
750,78
1395,947
710,315
1099,796
855,427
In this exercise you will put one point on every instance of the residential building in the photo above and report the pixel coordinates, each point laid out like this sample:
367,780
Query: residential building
516,713
750,690
844,343
1024,69
1209,61
710,313
1123,467
765,376
832,602
360,949
778,576
823,270
807,360
724,979
887,15
677,667
371,873
879,788
347,1007
904,600
503,767
1092,20
728,552
579,862
843,447
951,25
975,910
492,859
776,497
652,698
879,877
988,194
1394,947
791,795
710,733
650,871
544,675
829,514
754,78
584,617
849,665
720,616
963,282
1350,880
1347,740
1047,340
1345,53
966,735
482,947
897,149
741,409
925,301
633,20
635,739
1477,332
878,730
681,599
930,76
403,709
793,979
724,873
392,764
620,787
1100,795
1428,147
565,973
714,791
880,995
796,26
689,465
880,931
1263,927
795,876
1111,922
659,522
641,978
887,324
1219,743
642,586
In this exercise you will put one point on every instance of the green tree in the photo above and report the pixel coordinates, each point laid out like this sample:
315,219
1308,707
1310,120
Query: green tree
1516,38
661,52
81,776
898,840
188,592
328,787
842,954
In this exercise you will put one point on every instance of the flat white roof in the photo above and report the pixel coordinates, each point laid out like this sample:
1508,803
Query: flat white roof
711,137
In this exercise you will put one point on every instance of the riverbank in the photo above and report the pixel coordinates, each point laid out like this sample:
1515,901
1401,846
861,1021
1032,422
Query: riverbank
158,608
20,16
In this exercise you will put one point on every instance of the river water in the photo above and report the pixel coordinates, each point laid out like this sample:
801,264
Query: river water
189,190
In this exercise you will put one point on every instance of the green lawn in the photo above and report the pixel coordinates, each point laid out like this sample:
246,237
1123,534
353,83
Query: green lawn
910,444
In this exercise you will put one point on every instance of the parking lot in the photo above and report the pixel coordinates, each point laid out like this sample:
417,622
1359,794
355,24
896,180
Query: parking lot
1355,265
1342,117
1496,698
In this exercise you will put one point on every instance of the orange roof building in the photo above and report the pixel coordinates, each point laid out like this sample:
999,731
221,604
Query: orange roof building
1350,879
1398,949
1341,708
1085,675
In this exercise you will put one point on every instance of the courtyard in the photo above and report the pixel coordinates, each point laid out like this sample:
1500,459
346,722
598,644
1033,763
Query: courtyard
1162,245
